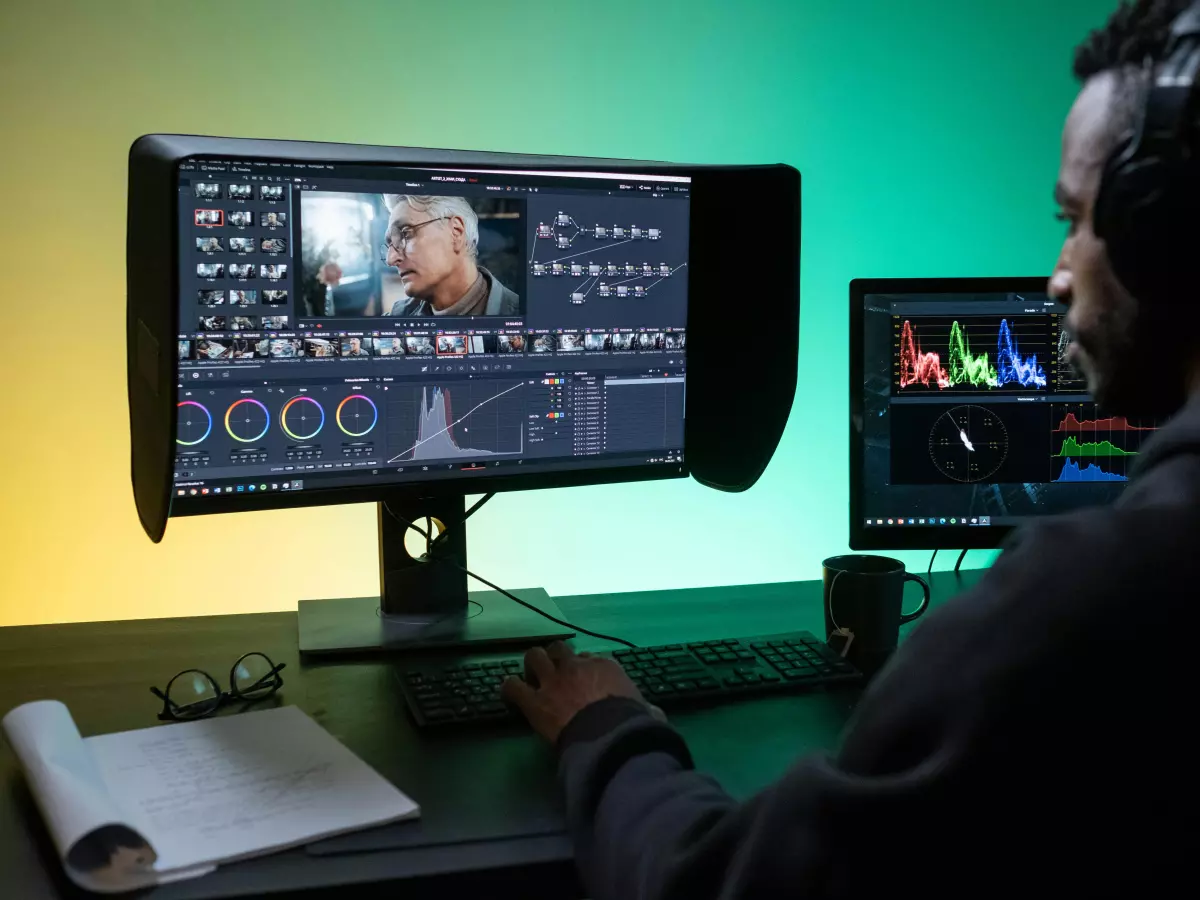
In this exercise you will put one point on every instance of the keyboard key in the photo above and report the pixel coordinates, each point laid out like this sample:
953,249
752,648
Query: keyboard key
621,654
438,715
726,656
661,690
745,654
472,667
734,680
799,674
683,685
771,678
415,678
731,642
707,683
673,647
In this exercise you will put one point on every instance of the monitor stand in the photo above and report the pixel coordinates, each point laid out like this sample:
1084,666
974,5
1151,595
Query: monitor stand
423,603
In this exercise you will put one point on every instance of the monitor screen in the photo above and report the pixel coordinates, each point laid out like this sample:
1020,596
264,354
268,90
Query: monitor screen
348,325
971,417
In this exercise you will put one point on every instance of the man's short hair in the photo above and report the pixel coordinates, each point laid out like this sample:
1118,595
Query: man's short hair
1138,31
436,208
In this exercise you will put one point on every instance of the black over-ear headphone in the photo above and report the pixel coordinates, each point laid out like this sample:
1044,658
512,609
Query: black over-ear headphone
1148,205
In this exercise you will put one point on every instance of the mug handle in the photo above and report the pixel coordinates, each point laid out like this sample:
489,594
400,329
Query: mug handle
908,576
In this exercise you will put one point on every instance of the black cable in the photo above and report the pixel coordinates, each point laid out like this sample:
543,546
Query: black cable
425,534
958,564
431,542
540,612
929,571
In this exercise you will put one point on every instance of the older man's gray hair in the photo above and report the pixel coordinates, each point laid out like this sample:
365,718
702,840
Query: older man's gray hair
436,208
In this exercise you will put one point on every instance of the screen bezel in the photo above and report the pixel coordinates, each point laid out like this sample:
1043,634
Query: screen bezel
917,538
717,198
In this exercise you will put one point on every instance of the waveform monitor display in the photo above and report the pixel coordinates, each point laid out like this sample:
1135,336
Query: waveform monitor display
469,420
1081,431
972,353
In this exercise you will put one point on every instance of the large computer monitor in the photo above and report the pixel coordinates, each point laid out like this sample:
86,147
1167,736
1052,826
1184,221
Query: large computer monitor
315,323
966,419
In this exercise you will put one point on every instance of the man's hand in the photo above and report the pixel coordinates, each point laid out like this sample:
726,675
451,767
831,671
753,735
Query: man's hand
566,683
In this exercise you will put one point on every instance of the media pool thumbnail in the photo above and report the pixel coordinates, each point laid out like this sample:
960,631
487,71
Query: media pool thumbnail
481,343
210,270
274,298
597,343
207,191
274,273
652,341
274,323
354,346
240,218
273,220
273,245
418,346
541,343
322,348
241,245
211,323
210,218
243,298
241,271
241,192
270,192
511,343
185,349
210,298
451,345
569,341
249,348
207,348
210,245
285,348
623,343
243,323
677,341
388,346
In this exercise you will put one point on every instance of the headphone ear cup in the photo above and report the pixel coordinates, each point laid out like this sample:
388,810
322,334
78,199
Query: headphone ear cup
1142,215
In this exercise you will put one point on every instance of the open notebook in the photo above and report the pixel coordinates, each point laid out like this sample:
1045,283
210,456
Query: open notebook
145,807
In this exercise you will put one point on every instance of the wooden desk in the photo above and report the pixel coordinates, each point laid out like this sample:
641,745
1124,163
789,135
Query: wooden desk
490,813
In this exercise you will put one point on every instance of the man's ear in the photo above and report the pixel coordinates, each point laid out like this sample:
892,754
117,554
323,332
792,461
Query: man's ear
458,228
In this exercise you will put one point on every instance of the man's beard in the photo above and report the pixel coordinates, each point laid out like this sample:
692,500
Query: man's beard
1142,368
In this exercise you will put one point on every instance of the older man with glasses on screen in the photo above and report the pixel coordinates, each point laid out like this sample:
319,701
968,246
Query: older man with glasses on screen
433,242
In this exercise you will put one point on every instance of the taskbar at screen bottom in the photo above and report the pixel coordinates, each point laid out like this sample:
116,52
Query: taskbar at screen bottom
364,475
939,521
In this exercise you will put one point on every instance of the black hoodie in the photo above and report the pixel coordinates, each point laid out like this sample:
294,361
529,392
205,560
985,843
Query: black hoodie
1035,735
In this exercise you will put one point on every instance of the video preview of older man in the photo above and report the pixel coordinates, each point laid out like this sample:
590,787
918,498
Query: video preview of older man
410,256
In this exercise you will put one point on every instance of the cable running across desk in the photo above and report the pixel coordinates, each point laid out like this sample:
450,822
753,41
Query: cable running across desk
430,543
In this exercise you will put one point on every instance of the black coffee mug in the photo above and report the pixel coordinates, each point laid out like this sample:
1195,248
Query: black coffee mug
864,595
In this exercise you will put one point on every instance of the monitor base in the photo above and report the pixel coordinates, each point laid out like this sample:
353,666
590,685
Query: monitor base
357,626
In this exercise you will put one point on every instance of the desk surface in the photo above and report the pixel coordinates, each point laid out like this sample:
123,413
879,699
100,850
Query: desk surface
490,813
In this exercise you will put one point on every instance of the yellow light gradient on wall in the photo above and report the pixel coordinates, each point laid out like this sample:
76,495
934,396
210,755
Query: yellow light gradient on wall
926,132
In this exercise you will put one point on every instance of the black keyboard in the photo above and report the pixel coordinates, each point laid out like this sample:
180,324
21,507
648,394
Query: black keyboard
670,676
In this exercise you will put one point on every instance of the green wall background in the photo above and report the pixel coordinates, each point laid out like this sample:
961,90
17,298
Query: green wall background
926,131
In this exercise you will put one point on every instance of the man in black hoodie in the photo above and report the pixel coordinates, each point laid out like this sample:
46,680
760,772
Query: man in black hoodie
1030,737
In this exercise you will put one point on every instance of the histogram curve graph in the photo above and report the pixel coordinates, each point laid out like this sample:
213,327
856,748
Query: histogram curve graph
1073,473
442,434
1081,432
950,362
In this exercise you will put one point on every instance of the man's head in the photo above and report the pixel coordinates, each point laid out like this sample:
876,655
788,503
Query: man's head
1117,337
355,345
430,239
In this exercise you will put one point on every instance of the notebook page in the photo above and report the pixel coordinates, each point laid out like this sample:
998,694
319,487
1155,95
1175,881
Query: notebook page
219,789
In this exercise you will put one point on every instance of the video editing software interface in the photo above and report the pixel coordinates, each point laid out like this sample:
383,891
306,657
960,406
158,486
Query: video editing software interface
347,325
972,416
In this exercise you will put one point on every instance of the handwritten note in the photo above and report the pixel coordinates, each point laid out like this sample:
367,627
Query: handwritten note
224,788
